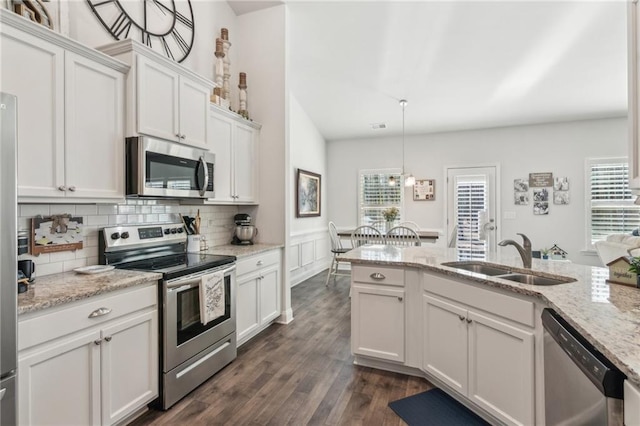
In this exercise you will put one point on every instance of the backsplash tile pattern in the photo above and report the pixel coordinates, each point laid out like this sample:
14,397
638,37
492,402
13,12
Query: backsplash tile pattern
216,225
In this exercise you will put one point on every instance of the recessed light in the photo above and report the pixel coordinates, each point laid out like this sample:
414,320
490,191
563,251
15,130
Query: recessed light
377,126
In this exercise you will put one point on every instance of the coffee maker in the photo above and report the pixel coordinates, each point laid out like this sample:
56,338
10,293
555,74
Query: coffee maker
244,232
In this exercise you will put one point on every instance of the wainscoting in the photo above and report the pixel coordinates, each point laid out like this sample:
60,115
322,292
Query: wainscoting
309,254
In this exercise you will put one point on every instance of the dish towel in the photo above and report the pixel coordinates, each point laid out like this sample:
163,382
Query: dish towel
211,297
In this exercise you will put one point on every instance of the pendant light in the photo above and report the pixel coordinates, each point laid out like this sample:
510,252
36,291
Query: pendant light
409,180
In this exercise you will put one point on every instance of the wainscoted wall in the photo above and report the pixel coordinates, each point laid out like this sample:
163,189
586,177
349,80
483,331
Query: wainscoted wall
309,253
217,226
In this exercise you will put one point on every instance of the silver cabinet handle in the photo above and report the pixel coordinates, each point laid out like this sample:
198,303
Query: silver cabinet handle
99,312
461,317
108,338
62,188
72,188
469,321
97,342
377,276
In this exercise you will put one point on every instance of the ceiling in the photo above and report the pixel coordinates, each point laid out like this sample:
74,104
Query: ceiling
460,65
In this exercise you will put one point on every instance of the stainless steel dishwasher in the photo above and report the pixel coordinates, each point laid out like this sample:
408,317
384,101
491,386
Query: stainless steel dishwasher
581,386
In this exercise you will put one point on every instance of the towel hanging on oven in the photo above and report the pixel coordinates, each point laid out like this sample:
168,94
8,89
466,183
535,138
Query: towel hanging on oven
212,297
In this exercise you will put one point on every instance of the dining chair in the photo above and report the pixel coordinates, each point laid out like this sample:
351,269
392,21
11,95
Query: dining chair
379,225
336,250
402,236
366,234
410,224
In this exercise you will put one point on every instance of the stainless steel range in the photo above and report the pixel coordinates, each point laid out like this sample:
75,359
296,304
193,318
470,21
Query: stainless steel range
191,350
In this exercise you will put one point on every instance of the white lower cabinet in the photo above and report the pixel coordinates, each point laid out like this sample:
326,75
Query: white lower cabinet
258,293
73,372
485,358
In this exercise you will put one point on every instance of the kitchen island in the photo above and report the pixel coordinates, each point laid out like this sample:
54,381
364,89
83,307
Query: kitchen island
608,315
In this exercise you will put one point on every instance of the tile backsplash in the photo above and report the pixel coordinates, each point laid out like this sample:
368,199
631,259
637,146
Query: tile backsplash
216,225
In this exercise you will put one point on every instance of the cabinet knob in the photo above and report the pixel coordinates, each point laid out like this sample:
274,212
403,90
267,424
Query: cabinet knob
461,317
259,262
62,188
377,276
72,188
97,342
99,312
399,299
183,136
469,321
108,338
177,135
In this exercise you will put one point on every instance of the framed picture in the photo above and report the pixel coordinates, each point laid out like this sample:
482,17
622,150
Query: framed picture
307,194
56,233
424,190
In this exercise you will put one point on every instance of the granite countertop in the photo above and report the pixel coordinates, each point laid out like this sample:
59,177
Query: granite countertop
54,290
244,250
608,315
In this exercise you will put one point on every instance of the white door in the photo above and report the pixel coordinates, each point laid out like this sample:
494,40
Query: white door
194,113
221,143
158,100
471,210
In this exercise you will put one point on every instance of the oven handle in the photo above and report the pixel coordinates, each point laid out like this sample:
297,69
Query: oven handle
195,278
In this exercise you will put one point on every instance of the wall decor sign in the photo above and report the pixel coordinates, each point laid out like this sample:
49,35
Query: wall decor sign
307,194
56,233
424,190
540,180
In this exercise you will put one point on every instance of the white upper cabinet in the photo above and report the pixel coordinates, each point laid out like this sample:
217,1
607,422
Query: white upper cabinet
70,114
633,85
234,140
164,99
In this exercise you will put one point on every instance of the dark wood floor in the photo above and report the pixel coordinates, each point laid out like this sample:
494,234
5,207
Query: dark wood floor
297,374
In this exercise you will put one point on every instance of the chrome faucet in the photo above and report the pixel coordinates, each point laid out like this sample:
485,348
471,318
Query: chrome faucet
525,252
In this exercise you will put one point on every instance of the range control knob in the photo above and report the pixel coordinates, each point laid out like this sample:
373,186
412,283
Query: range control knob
125,235
180,230
115,235
167,231
173,230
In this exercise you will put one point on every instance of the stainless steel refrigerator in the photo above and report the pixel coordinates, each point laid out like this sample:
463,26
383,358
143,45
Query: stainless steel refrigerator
8,260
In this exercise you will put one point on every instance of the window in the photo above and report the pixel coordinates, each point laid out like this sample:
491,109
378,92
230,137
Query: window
376,195
612,209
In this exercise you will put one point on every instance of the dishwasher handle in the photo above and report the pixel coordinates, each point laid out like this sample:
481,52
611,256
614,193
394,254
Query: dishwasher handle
602,373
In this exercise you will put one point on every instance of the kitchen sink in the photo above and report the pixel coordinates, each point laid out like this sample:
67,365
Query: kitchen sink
505,273
479,268
536,279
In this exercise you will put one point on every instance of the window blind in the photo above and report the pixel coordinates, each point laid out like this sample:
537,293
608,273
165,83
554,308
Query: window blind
612,204
376,195
471,198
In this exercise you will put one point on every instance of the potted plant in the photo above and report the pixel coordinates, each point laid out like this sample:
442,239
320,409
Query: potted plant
545,253
390,216
634,267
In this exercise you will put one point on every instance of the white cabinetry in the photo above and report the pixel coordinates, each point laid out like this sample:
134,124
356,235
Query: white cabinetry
486,357
378,312
70,114
79,369
631,404
234,140
633,46
258,295
164,99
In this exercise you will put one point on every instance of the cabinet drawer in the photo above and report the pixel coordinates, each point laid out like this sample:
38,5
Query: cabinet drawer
378,275
509,307
253,263
48,326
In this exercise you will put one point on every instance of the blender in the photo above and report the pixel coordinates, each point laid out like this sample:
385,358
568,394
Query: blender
244,232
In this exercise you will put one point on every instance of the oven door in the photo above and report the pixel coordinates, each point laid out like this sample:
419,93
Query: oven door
160,168
183,333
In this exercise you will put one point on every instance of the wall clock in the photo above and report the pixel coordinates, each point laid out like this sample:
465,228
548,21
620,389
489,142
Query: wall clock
166,26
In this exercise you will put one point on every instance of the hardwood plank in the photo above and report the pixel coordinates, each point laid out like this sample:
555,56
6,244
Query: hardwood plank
297,374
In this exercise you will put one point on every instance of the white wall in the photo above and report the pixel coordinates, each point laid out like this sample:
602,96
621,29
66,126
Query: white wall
309,246
560,148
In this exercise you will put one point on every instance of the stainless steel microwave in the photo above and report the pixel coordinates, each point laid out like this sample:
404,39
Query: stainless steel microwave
160,168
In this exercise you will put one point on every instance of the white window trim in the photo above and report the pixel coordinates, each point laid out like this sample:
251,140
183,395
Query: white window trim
589,247
379,171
